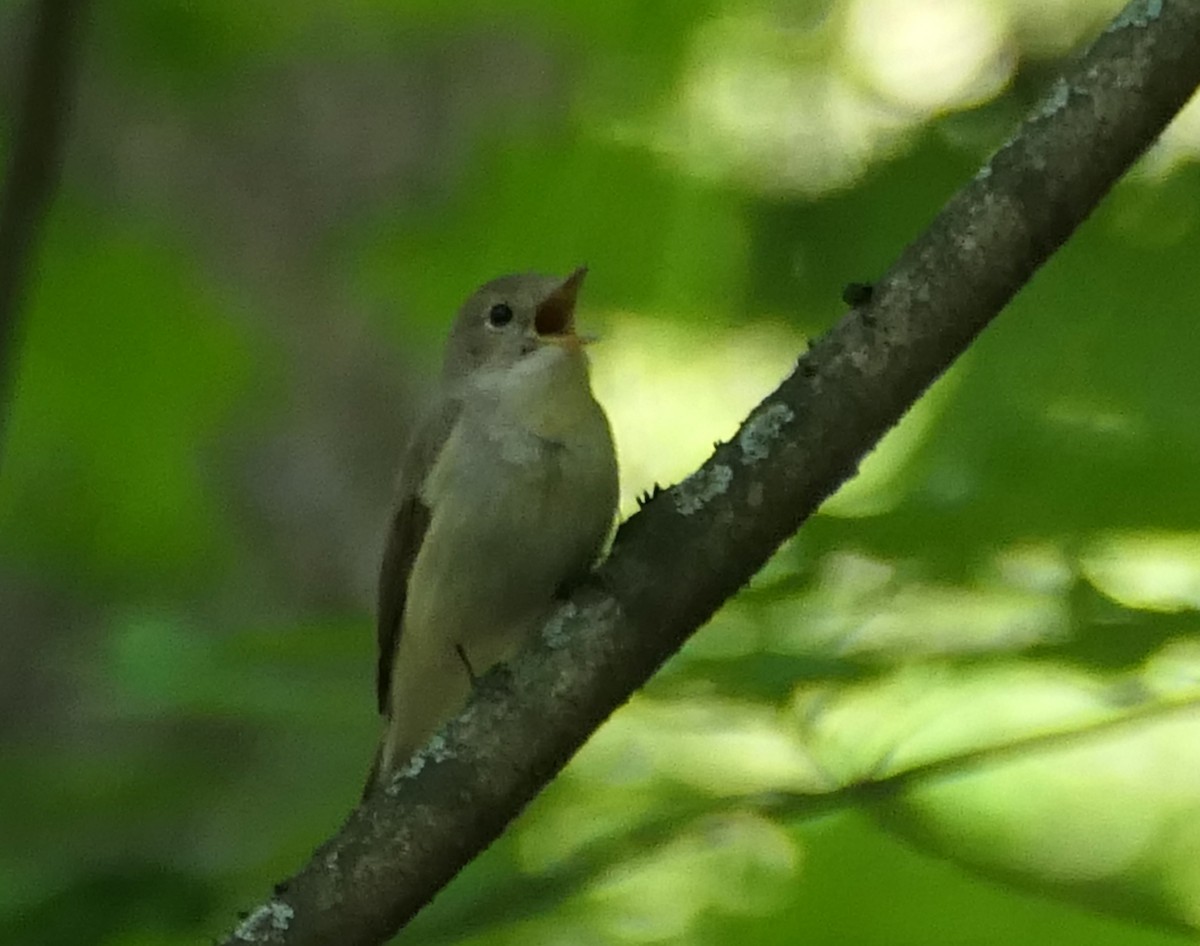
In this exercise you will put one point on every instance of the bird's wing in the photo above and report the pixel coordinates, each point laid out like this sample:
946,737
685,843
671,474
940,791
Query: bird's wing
409,523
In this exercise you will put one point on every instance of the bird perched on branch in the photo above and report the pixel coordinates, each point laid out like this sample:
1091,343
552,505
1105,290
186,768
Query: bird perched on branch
507,492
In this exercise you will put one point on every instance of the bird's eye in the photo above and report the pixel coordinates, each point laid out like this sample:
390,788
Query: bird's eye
500,315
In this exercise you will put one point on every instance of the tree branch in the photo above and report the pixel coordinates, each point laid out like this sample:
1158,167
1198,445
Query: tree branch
693,546
36,158
517,899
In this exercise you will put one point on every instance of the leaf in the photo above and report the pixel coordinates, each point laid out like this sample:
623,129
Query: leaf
1081,785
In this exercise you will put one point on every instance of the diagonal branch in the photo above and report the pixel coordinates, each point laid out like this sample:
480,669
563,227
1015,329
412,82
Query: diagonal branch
693,546
35,159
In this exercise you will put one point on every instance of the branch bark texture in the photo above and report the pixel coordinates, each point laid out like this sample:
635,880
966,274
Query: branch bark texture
697,543
35,157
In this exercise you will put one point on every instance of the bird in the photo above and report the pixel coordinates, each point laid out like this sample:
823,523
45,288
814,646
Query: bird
506,495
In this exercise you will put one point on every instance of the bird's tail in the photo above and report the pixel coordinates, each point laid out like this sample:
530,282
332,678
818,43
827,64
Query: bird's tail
373,775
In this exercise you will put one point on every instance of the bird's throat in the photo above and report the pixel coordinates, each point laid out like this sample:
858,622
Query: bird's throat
550,396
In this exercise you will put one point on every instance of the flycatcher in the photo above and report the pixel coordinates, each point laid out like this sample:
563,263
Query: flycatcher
506,494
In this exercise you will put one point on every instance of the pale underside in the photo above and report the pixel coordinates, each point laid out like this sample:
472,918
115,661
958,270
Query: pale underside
516,503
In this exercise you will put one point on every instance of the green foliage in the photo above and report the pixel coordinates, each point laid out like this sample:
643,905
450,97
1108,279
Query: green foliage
126,368
959,706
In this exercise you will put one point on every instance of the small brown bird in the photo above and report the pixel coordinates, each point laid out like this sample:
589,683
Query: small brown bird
507,493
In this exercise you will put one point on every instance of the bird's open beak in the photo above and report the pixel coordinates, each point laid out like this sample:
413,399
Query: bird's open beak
554,320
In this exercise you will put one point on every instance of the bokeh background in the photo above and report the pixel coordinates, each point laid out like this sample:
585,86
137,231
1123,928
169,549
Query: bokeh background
269,213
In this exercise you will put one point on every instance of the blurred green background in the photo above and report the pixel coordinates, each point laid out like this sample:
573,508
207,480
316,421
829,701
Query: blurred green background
268,215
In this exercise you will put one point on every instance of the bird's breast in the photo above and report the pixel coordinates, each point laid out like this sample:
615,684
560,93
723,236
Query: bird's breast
514,515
